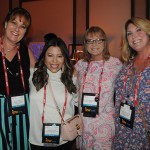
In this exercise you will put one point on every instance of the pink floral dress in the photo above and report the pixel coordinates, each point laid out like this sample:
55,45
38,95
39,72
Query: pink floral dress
98,132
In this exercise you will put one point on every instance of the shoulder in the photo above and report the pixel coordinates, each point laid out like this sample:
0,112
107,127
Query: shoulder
32,58
23,47
114,61
31,72
24,51
80,64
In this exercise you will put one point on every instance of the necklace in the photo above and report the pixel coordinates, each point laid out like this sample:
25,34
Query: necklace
12,73
15,47
10,50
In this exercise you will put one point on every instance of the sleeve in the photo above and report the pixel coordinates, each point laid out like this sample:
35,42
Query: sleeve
119,64
75,95
31,74
78,65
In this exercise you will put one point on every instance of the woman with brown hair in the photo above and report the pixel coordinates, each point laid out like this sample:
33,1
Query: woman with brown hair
95,85
15,64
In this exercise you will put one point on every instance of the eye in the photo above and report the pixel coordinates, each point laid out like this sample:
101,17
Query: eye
13,22
23,27
138,30
49,55
99,40
60,56
129,33
89,41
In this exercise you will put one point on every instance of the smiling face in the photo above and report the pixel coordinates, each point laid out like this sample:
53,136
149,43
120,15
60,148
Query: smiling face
137,38
95,45
15,29
54,59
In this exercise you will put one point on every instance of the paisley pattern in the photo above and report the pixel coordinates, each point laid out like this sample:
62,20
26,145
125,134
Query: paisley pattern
136,138
98,132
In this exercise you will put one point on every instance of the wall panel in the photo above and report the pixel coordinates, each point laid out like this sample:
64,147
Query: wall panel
111,16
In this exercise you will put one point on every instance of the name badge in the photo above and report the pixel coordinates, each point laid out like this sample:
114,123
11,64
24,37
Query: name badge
51,133
17,104
90,104
125,112
17,101
126,115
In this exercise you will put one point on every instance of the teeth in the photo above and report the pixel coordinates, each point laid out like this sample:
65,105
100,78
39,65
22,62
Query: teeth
14,33
54,66
137,41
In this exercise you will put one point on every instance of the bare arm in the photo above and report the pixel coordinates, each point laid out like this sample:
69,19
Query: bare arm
32,58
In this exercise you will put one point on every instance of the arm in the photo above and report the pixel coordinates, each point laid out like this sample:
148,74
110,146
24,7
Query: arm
75,72
32,58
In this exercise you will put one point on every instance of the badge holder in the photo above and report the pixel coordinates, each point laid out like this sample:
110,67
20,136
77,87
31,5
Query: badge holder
51,133
90,104
127,114
17,104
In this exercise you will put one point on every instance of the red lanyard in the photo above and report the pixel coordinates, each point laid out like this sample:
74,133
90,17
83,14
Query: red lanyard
5,70
100,79
44,102
136,85
125,80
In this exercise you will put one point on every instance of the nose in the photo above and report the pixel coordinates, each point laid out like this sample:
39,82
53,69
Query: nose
17,28
95,42
54,59
134,35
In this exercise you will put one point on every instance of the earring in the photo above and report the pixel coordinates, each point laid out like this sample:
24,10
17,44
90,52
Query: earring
63,68
5,25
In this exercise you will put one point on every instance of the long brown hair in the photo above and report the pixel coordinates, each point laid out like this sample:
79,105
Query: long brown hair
40,76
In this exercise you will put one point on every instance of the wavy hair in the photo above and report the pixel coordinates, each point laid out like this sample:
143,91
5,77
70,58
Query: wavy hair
100,32
40,76
127,51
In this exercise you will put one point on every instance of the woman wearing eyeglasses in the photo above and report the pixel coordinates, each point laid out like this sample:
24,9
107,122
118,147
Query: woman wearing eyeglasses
95,83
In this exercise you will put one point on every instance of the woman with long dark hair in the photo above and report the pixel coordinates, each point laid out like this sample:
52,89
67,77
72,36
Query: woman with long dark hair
52,96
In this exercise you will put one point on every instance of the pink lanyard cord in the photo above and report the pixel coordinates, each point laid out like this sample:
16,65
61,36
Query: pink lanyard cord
99,82
5,69
136,84
44,102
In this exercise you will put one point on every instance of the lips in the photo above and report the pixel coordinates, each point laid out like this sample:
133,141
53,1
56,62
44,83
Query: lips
15,34
136,42
54,66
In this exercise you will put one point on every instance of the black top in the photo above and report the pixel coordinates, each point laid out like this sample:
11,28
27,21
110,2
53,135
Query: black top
13,71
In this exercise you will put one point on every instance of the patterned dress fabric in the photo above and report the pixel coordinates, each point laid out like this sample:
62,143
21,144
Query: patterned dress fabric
14,130
136,138
98,132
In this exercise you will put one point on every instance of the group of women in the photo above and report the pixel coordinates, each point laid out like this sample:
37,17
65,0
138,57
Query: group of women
112,94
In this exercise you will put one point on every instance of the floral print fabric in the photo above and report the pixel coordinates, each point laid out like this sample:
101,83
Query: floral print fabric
136,138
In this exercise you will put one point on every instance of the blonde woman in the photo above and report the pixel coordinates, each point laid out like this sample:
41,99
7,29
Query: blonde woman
132,88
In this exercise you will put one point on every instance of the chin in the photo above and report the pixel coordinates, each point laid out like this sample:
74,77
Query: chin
54,70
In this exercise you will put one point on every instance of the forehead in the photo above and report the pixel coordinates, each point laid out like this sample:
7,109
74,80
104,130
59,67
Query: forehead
93,35
20,18
131,26
54,50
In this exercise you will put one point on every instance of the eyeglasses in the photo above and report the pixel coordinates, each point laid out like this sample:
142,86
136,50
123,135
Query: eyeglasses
97,41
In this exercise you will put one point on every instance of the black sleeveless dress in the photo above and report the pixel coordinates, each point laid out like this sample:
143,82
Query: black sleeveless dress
14,129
